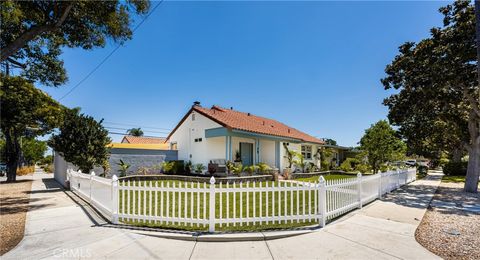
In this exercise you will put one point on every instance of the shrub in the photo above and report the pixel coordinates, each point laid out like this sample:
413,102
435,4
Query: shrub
263,167
48,168
250,169
422,169
455,168
349,164
25,170
237,168
363,168
178,167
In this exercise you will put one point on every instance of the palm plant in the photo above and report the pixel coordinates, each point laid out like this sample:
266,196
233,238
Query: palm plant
135,131
300,162
167,167
199,168
237,168
123,168
263,167
250,169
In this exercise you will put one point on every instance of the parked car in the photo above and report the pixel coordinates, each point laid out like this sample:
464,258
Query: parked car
3,169
411,162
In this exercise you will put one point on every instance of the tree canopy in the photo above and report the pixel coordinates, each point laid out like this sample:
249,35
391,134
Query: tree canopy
438,107
135,131
380,145
82,141
26,112
34,32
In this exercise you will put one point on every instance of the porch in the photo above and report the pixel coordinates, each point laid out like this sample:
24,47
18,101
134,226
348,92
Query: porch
248,147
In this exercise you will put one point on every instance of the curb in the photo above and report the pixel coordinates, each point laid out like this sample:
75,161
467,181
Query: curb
231,237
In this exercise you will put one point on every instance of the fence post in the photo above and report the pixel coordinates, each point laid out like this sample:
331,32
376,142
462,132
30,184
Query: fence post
91,177
211,204
115,199
380,181
359,188
398,178
322,201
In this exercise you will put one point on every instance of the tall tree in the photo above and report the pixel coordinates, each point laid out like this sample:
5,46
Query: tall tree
381,145
34,32
438,103
26,112
330,141
82,141
33,150
135,131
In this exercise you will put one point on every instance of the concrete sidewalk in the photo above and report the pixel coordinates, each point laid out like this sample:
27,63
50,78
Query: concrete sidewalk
59,226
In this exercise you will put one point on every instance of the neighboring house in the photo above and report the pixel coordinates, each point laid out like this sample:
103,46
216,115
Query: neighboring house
340,153
205,134
137,152
130,139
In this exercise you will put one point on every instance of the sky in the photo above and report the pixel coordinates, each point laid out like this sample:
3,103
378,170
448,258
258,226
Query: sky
315,66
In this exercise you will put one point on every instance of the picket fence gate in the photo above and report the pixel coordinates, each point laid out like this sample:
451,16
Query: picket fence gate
214,205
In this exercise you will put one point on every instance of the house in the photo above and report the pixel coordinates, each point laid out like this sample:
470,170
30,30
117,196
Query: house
130,139
206,134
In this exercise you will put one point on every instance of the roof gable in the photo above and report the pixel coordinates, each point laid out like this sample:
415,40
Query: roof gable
251,123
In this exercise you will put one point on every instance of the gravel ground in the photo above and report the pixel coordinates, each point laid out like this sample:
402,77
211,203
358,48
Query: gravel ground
14,199
447,229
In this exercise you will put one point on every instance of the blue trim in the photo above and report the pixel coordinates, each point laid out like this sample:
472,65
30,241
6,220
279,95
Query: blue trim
216,132
241,133
257,150
226,146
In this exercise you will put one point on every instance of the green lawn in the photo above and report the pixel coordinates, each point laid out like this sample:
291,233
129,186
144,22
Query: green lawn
453,178
286,201
327,177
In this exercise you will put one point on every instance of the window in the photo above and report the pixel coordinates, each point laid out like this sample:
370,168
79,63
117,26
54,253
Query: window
307,152
198,140
193,116
173,146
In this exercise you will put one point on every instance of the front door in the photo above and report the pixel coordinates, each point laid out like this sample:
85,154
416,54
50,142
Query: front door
246,153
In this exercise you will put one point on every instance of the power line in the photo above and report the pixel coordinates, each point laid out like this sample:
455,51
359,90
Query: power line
115,133
110,54
134,125
126,129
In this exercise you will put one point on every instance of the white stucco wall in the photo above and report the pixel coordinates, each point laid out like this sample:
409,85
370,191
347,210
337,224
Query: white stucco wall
198,152
267,152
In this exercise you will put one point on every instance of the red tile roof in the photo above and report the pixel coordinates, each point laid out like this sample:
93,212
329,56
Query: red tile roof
142,140
247,122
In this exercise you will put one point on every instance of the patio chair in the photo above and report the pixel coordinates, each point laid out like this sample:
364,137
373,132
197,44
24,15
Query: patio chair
221,164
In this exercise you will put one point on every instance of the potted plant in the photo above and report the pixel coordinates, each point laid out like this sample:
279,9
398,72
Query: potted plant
167,167
238,157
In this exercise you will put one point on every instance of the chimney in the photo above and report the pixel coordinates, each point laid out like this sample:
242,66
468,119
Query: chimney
196,104
248,114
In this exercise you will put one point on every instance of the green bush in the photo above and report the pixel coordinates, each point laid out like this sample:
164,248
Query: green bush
455,168
349,164
363,168
422,169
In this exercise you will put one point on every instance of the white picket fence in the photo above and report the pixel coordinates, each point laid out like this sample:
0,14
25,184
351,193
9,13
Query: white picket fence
223,206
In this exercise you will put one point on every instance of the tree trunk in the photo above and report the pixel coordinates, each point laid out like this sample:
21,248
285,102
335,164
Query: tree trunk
457,154
12,153
473,170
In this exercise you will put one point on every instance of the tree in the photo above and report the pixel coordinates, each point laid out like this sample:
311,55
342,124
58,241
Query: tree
330,141
135,132
437,107
26,112
82,141
380,145
33,150
33,33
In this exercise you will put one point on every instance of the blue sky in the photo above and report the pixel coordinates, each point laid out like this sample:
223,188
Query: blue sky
315,66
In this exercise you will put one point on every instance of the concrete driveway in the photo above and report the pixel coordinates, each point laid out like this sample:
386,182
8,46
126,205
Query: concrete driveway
62,226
